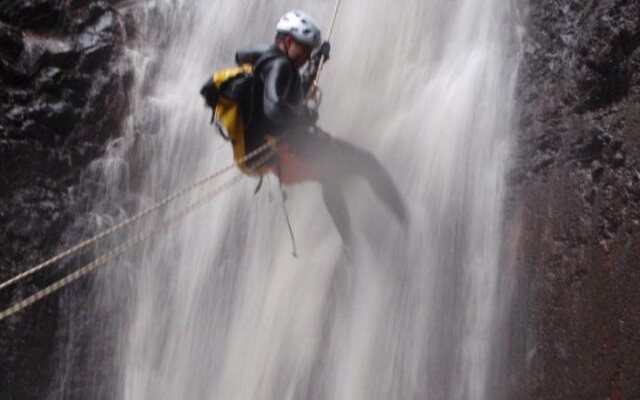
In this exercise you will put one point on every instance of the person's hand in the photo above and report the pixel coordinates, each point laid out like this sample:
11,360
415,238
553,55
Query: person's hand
322,51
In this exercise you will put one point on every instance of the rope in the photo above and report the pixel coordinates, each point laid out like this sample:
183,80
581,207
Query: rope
134,218
137,239
333,19
330,32
314,95
111,255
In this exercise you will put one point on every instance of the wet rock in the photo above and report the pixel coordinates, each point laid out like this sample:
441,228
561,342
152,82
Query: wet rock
95,50
577,192
11,44
38,15
63,93
59,116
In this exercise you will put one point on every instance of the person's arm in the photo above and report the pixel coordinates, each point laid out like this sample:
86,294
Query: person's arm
319,55
282,100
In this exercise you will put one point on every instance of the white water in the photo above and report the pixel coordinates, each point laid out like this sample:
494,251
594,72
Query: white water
219,309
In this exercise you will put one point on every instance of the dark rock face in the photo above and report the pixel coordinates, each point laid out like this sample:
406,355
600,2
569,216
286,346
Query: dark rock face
576,201
63,94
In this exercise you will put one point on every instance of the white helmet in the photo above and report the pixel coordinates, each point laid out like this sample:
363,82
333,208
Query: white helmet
301,26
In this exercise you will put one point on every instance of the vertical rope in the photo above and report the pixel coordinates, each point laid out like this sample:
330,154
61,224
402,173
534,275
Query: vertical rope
336,8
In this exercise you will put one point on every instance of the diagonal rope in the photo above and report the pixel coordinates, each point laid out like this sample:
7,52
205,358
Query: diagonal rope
74,249
136,240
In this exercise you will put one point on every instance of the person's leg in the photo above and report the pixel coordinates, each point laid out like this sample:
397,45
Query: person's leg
356,161
347,159
337,206
335,159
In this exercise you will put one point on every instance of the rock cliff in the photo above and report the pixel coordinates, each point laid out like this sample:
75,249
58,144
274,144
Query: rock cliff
63,94
576,201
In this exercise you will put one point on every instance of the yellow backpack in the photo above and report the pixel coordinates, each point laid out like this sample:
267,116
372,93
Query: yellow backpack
226,110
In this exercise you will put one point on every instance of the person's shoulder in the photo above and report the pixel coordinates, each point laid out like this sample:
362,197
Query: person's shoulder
252,53
278,62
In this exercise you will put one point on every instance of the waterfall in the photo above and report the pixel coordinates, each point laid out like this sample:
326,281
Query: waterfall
218,308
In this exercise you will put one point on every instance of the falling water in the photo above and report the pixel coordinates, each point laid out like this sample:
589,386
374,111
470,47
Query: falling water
217,308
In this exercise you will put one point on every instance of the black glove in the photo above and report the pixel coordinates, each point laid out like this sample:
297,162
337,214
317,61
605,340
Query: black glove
311,70
321,51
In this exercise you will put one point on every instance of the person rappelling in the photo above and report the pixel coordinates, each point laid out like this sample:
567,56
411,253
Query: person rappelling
268,101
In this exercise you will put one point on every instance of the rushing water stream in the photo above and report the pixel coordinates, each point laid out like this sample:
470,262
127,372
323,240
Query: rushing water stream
217,308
